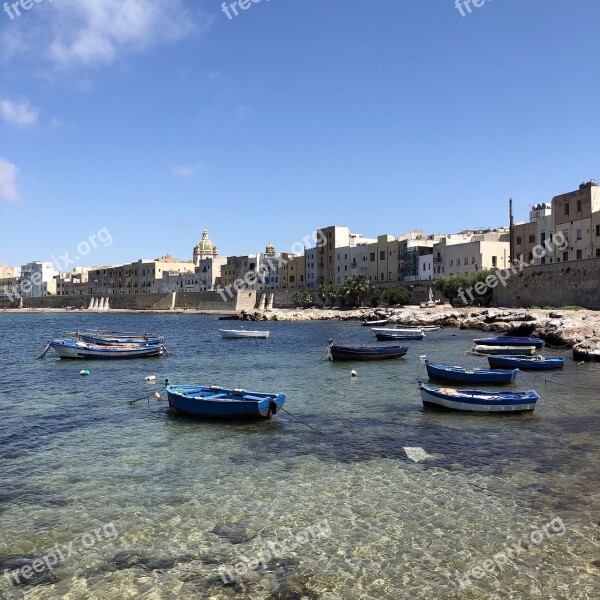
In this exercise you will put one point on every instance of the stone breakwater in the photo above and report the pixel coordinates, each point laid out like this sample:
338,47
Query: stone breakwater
579,330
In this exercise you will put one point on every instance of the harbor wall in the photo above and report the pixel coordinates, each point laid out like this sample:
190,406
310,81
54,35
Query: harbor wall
555,285
209,301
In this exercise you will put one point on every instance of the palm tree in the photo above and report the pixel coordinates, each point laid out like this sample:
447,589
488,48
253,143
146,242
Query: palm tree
362,288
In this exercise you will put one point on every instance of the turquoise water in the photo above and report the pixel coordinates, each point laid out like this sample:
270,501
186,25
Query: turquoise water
164,503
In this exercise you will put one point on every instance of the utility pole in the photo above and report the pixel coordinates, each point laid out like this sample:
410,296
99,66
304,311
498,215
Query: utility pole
512,231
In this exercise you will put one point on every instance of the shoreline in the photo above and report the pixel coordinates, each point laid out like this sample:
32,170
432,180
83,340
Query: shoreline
576,329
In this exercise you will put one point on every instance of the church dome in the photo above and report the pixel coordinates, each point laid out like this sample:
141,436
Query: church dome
270,250
205,248
205,244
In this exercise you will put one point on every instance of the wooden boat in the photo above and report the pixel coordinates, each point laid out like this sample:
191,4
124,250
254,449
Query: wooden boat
507,340
243,333
395,334
463,375
526,363
348,353
73,349
430,328
478,400
371,323
101,338
221,403
505,350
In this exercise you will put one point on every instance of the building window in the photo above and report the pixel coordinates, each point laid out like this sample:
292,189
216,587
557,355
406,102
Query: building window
597,252
532,239
472,260
543,260
566,208
382,277
494,261
579,254
542,237
565,256
579,234
382,255
458,262
372,256
578,205
519,240
451,262
597,230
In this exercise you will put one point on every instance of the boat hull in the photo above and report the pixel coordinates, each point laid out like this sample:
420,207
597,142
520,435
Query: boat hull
526,363
74,350
220,403
478,401
460,375
375,323
236,334
510,341
505,350
349,353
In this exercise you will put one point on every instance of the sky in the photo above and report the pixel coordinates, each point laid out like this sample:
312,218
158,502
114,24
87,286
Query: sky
155,119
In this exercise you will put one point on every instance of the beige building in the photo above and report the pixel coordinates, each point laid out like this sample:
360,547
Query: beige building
576,217
470,251
384,261
291,273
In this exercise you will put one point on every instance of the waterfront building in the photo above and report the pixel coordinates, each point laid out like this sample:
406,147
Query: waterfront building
352,260
291,271
412,247
260,271
470,251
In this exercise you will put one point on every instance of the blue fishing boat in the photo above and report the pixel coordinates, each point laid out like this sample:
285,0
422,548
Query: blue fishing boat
349,353
463,375
72,349
526,363
507,340
478,400
221,403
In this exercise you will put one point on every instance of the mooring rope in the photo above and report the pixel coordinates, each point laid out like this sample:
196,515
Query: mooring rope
301,421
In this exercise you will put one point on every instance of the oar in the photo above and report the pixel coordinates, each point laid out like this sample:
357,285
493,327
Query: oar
44,352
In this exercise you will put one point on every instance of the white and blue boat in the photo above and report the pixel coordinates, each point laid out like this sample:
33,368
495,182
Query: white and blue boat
73,349
526,363
221,403
110,338
507,340
464,375
478,400
389,334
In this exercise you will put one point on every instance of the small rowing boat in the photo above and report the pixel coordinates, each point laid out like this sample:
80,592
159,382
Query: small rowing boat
232,334
478,400
392,335
349,353
504,350
371,323
221,403
507,340
526,363
73,349
102,338
463,375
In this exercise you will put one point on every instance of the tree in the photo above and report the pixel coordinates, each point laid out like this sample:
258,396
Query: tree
462,286
396,295
356,290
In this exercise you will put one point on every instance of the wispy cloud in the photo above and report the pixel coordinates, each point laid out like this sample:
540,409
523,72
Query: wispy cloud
96,32
186,170
18,113
8,181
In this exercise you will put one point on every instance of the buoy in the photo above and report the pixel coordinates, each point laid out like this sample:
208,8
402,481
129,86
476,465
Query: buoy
581,363
84,372
150,378
158,396
353,373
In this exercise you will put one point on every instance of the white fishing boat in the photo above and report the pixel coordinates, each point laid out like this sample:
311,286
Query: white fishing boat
243,333
505,350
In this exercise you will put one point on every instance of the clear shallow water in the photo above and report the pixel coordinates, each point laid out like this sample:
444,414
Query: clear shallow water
188,497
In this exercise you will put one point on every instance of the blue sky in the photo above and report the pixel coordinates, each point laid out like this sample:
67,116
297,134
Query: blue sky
156,119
